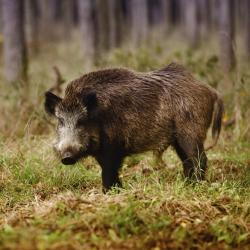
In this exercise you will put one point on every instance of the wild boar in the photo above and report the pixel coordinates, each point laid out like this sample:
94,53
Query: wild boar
113,113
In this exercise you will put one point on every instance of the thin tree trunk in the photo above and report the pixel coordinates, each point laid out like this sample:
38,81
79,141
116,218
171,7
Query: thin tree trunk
125,20
192,26
241,12
248,29
182,21
15,57
139,20
227,33
48,19
115,22
166,14
215,13
87,27
204,17
120,22
33,23
1,19
155,12
68,19
112,23
102,25
176,11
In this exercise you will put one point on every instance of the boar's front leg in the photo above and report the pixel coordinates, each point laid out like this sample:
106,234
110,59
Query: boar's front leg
193,157
110,162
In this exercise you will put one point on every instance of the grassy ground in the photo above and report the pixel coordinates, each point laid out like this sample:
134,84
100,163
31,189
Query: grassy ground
45,205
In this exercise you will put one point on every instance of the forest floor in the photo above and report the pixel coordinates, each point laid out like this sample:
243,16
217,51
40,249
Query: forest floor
45,205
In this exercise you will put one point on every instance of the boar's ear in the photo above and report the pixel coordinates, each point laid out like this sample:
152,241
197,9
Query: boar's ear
91,103
51,101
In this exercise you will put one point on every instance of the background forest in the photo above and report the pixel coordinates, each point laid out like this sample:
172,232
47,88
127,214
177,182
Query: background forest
44,205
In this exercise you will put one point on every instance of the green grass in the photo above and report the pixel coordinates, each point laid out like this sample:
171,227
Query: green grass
45,205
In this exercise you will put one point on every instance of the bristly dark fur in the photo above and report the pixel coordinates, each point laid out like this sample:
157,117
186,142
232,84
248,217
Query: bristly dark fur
137,112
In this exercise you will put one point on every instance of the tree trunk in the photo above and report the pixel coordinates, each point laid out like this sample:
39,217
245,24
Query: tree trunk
33,24
87,27
139,20
166,14
226,23
102,25
155,12
112,23
215,14
241,12
192,26
182,16
1,23
125,21
247,29
68,19
15,57
115,22
204,17
47,23
176,11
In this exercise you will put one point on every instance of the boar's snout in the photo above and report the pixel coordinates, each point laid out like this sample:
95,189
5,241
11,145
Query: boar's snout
68,159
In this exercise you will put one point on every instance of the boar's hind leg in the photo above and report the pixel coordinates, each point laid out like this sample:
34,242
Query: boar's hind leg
193,158
110,164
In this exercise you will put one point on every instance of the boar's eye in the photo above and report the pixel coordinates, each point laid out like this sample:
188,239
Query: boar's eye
60,121
81,122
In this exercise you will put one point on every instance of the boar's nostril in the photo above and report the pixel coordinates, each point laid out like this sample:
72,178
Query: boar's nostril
68,159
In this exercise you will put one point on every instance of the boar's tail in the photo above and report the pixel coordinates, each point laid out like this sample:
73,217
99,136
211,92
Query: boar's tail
217,121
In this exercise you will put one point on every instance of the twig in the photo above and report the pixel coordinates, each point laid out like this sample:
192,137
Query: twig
59,81
229,123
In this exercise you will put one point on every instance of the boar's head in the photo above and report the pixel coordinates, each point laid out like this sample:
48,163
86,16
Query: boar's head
77,134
